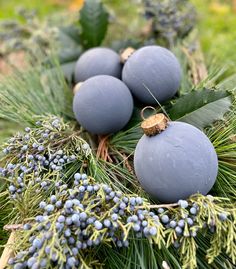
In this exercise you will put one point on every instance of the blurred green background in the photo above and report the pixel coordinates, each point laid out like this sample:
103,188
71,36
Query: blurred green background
216,20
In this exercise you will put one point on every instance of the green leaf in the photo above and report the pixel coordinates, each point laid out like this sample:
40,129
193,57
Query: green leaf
94,22
72,32
201,108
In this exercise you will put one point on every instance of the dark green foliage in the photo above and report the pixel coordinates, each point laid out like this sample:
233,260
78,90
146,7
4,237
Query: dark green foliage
94,23
201,108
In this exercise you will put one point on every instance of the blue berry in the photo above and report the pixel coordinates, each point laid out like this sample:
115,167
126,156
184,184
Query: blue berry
136,227
81,188
43,263
75,218
165,219
122,205
27,226
223,216
67,233
193,233
83,216
49,208
183,203
71,240
139,200
68,204
114,217
68,220
173,224
153,231
42,204
37,243
31,261
61,219
54,257
98,225
90,188
84,176
193,210
77,176
160,210
24,148
12,188
181,223
58,204
189,221
11,261
78,245
178,230
71,262
144,223
53,199
18,266
107,223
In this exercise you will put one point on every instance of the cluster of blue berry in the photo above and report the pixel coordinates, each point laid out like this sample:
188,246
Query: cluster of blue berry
33,153
78,218
187,222
88,214
172,18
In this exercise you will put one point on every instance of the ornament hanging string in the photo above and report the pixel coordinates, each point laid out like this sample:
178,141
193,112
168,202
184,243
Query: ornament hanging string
144,109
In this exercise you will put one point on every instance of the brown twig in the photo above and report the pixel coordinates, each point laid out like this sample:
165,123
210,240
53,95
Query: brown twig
127,164
8,251
13,227
197,63
158,206
102,151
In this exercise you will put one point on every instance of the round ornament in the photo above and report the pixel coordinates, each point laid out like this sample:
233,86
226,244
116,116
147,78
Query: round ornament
97,61
103,104
152,73
174,160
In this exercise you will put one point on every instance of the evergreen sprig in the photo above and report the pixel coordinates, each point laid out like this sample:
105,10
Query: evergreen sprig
38,90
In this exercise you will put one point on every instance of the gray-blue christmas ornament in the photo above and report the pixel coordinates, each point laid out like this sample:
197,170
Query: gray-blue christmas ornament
174,160
103,104
97,61
152,73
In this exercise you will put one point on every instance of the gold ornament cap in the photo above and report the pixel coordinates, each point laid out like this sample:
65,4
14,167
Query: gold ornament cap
125,54
154,124
77,87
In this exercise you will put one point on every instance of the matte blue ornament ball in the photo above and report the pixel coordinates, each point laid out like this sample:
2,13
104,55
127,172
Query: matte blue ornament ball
103,105
151,73
97,61
176,163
